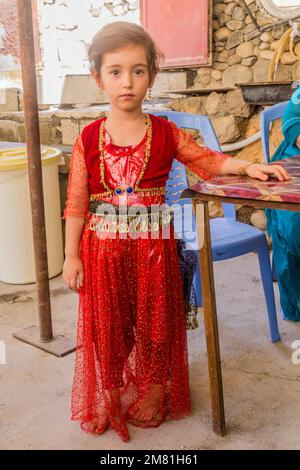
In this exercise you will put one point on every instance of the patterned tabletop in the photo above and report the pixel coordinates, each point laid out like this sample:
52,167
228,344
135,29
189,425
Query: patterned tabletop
249,188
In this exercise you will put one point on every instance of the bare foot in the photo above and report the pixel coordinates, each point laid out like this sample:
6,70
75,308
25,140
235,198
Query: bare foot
149,407
99,424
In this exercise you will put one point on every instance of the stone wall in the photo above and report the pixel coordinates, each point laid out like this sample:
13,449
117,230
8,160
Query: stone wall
240,53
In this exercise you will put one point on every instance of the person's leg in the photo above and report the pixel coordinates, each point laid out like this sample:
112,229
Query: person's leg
149,407
107,337
161,350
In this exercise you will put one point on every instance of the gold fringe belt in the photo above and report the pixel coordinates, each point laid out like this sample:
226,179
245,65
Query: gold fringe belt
139,218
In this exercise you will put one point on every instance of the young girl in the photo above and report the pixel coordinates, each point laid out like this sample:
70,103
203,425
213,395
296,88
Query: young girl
131,357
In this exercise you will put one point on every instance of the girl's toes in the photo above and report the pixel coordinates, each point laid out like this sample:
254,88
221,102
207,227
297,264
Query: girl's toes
101,430
146,416
93,425
99,425
141,415
138,414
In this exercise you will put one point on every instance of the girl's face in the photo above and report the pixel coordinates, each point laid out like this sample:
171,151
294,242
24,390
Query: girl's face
124,76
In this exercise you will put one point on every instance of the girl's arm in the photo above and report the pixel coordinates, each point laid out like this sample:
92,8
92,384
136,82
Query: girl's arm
74,226
233,166
207,163
75,213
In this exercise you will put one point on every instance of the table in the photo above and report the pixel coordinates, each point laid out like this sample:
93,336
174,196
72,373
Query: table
272,194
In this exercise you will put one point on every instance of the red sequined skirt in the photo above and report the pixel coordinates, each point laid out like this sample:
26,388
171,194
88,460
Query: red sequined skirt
131,330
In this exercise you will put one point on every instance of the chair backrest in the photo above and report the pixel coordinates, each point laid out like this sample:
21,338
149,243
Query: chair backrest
178,172
267,116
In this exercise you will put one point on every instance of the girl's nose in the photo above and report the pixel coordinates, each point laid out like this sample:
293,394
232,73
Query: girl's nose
127,80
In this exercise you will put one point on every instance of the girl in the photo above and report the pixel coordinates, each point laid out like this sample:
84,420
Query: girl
284,226
131,357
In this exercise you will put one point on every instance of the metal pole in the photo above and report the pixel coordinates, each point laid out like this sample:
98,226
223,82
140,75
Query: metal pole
34,166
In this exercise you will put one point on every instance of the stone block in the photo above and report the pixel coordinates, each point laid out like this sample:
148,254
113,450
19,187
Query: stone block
8,130
213,103
237,74
9,99
226,128
234,25
193,104
70,130
81,89
46,133
168,81
245,50
296,70
261,70
235,104
234,40
21,135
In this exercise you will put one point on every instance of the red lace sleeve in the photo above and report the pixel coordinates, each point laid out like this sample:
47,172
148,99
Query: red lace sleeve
201,160
78,194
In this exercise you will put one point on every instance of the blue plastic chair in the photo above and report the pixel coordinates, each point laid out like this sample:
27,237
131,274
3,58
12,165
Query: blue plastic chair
229,238
266,118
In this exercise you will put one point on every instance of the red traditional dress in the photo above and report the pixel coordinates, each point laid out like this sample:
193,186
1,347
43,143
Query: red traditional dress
131,330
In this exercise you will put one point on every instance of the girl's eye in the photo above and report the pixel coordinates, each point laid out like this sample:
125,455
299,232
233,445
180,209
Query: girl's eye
139,71
114,72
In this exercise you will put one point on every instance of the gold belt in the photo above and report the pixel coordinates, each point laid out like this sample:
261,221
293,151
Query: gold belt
148,220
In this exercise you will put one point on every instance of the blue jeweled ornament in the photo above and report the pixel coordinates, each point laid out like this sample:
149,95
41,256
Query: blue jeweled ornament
129,189
118,191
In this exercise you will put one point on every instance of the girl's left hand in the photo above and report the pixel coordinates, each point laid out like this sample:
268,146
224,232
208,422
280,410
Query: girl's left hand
262,172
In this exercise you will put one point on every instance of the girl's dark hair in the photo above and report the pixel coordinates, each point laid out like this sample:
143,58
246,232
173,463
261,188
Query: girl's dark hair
119,34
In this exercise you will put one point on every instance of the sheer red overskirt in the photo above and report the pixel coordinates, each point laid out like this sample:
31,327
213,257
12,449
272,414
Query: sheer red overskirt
131,328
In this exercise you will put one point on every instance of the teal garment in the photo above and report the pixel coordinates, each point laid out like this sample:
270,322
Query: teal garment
284,226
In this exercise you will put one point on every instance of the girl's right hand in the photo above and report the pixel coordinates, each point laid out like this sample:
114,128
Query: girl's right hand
72,268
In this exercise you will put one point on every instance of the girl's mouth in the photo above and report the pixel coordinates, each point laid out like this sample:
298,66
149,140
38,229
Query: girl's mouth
127,96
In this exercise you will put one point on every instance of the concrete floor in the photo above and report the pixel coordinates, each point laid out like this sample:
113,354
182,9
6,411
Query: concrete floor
261,384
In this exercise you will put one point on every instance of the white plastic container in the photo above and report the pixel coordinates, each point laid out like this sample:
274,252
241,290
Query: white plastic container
17,264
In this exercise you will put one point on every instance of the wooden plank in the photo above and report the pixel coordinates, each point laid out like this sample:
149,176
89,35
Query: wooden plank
211,328
200,91
180,29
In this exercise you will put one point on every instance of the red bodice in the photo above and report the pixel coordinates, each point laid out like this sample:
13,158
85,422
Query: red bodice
123,165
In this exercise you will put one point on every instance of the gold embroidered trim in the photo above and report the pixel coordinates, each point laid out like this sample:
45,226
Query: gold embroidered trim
119,191
140,191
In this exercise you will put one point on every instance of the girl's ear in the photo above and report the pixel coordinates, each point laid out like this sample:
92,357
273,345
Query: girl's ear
151,81
97,78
